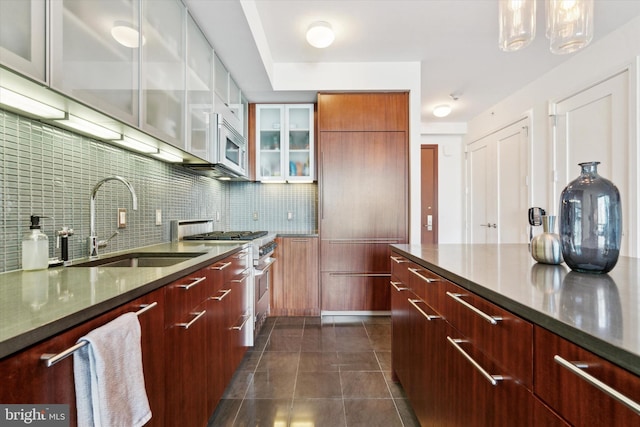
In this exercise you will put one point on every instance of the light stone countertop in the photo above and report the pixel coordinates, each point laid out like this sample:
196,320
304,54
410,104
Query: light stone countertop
600,312
35,305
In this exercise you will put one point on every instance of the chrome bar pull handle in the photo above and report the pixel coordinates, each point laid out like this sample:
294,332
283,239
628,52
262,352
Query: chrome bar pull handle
239,328
196,280
458,298
52,359
429,317
426,279
574,367
222,266
398,288
194,320
244,277
493,379
398,260
225,292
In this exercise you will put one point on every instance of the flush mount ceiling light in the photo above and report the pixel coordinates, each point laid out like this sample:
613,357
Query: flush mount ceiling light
442,110
126,34
320,34
28,105
569,24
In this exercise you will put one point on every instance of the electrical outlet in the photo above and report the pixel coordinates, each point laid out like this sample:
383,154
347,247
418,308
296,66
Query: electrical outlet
255,216
122,218
158,216
289,216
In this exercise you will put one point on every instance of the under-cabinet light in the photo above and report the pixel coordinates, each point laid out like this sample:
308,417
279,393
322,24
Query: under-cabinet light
168,157
136,145
28,105
85,126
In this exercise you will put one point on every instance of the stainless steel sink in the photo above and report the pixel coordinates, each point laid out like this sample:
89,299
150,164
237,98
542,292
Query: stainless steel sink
141,259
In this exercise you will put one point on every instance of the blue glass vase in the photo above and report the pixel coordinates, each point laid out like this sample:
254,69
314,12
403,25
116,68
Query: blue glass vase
590,222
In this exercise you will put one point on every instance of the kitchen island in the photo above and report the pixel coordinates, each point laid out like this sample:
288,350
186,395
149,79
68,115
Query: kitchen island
517,338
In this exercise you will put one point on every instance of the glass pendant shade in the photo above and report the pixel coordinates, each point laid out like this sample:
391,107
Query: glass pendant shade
569,25
517,24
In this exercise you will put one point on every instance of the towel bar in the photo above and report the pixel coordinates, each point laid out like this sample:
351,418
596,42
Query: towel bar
51,359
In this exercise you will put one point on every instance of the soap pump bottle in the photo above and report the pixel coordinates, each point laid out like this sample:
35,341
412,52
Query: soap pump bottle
35,247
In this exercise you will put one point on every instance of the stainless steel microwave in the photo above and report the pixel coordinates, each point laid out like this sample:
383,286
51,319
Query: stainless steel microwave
230,148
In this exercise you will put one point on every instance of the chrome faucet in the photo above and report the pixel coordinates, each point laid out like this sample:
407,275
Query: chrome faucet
93,241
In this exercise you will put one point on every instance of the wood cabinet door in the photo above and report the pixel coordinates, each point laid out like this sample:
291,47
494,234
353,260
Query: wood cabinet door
570,393
363,185
301,265
363,111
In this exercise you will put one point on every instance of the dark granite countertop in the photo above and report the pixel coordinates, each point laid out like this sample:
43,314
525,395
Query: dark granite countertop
36,305
600,312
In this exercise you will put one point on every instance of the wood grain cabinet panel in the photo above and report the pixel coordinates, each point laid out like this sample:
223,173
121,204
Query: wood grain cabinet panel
295,290
572,396
363,195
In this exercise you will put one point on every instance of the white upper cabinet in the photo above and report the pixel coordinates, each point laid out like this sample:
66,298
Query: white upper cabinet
22,36
94,55
199,92
163,70
285,143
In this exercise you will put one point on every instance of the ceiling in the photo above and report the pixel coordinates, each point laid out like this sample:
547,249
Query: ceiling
455,41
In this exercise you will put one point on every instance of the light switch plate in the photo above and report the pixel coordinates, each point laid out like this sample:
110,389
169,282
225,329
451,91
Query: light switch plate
158,216
122,218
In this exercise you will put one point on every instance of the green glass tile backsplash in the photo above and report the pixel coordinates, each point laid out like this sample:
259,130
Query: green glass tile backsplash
51,172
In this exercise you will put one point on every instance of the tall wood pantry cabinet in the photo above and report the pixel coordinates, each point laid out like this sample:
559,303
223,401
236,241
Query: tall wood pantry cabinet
363,178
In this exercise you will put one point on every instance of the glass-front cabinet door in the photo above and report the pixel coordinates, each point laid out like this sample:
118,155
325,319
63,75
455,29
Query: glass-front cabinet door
22,36
299,142
94,54
284,143
163,72
199,92
269,143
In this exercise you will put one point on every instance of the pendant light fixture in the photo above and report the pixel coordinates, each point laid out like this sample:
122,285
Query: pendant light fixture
517,24
569,24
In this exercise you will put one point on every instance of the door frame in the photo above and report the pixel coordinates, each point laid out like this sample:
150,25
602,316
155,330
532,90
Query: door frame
433,147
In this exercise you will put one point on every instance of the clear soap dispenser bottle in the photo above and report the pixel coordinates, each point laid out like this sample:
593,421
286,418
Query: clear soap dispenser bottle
35,247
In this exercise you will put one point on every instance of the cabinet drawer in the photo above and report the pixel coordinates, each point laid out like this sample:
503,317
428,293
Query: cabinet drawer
426,285
501,335
346,292
572,391
400,268
355,255
184,294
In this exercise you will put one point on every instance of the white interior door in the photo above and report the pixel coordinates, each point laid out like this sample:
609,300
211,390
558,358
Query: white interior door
497,186
593,125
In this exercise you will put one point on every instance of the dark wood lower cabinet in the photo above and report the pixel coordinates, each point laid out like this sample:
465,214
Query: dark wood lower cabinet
27,380
193,340
459,369
571,394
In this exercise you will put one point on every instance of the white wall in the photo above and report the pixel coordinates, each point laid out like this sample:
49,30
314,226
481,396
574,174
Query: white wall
615,52
450,183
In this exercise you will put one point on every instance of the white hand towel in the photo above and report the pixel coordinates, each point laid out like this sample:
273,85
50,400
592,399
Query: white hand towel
108,376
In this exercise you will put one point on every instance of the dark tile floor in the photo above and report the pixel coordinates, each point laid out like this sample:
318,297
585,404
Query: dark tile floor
332,371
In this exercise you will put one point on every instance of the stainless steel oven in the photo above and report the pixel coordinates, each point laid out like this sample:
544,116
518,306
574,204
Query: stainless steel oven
263,245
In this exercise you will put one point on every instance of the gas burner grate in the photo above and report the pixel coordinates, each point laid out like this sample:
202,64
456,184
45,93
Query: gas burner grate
227,235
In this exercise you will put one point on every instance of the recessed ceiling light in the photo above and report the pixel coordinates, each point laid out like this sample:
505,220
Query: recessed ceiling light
442,110
320,34
126,34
